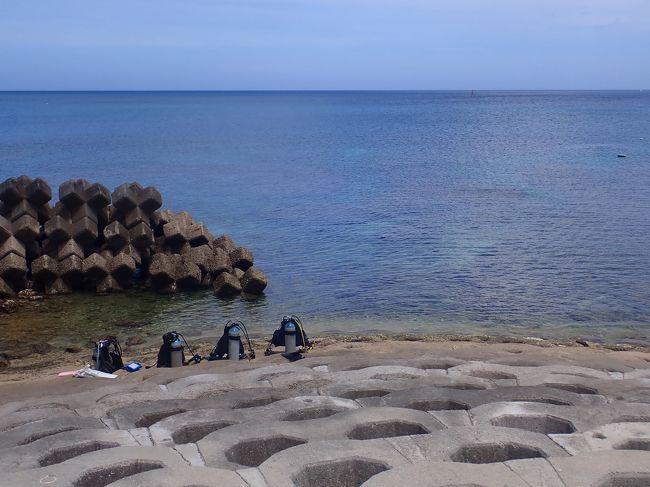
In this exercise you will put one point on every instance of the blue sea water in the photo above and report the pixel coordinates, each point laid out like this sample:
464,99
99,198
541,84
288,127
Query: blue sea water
431,212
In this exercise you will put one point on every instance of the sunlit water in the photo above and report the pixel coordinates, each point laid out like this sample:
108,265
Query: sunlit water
432,212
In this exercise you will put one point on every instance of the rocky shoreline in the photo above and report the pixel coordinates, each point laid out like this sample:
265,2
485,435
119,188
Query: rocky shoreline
92,239
352,413
31,361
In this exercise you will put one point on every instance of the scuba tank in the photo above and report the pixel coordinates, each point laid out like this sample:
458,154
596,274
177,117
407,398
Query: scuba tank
234,342
230,344
172,352
176,350
290,335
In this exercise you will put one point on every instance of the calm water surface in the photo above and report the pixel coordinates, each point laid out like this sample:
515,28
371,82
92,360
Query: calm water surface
502,212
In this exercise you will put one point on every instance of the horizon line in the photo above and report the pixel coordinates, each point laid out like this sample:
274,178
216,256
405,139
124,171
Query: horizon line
342,90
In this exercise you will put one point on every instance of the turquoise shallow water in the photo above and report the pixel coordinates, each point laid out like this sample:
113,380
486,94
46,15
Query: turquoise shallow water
502,212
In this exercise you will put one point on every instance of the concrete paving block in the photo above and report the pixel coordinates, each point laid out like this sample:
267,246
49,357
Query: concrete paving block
250,444
101,467
439,474
536,472
185,476
614,436
478,444
60,447
604,469
9,420
346,462
35,430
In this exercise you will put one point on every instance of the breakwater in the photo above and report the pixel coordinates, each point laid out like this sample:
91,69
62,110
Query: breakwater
94,239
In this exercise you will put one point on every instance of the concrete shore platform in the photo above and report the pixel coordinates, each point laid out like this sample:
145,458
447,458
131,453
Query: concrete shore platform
358,414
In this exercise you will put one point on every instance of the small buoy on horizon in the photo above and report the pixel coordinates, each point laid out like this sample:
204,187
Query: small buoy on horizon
621,155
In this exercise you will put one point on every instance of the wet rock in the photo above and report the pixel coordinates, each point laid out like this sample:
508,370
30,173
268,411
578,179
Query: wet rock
242,258
122,267
226,285
162,270
134,340
45,269
108,285
12,246
202,256
188,274
197,235
13,267
57,287
116,235
253,281
29,295
94,267
6,291
8,306
4,361
219,263
224,242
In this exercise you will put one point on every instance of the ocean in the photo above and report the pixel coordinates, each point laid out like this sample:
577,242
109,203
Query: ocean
502,213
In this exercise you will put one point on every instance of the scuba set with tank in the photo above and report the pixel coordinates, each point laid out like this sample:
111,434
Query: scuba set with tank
291,335
230,344
107,353
172,353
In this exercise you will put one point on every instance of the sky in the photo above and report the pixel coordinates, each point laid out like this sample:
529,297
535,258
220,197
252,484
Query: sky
324,44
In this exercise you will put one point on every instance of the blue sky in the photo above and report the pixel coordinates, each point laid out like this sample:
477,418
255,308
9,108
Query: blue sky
324,44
